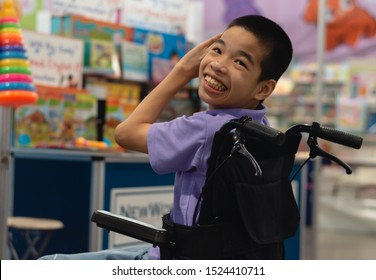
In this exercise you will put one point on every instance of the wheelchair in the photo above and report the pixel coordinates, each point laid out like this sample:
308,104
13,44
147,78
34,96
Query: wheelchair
246,208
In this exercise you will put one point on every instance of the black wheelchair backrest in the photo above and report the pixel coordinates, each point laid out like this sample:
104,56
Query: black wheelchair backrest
236,193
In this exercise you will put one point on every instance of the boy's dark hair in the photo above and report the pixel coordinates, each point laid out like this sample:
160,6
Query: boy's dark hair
275,40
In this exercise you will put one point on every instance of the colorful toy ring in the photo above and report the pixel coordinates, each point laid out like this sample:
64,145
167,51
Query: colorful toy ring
12,54
8,20
23,78
16,86
12,30
11,35
14,62
9,48
9,25
14,69
17,97
11,40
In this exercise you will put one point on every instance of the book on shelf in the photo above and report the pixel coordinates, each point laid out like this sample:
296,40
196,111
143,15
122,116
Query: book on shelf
58,117
103,58
134,60
120,100
164,50
87,29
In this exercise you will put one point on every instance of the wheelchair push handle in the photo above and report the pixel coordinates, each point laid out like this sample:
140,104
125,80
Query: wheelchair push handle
264,132
330,134
255,129
340,137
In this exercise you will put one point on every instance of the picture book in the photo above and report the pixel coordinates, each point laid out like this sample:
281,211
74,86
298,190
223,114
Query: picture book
162,47
134,60
58,117
121,100
31,128
87,29
85,117
104,58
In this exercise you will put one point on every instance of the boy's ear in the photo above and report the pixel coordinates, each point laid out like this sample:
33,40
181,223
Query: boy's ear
265,89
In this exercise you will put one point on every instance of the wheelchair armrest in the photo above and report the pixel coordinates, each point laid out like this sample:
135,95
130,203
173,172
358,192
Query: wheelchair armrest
130,227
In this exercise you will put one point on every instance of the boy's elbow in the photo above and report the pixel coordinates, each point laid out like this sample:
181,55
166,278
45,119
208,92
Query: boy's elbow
132,137
120,135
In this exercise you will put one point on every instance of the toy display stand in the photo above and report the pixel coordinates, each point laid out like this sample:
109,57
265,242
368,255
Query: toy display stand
5,143
16,89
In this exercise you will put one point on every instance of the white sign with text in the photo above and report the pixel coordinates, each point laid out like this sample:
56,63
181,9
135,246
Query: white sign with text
54,60
167,16
146,204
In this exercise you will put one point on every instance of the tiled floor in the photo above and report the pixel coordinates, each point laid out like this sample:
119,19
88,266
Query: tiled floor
346,218
345,246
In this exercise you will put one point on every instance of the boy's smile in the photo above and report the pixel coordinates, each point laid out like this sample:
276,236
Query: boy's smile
229,72
214,84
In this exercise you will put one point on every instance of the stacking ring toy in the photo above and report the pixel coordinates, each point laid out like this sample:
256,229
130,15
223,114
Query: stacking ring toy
11,39
15,35
17,97
9,25
14,69
8,19
14,62
12,77
12,54
12,30
9,48
16,86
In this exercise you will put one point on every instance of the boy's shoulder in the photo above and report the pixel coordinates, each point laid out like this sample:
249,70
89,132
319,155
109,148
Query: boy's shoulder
213,120
232,113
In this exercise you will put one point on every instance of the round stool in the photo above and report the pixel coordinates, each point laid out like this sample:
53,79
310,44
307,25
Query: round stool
33,230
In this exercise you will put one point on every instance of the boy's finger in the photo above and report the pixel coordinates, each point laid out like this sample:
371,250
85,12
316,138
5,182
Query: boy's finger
206,44
211,40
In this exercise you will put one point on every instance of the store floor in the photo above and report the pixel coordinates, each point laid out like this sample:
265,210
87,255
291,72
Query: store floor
339,245
346,229
346,225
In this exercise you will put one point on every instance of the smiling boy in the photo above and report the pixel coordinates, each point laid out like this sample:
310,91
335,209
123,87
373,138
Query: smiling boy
237,70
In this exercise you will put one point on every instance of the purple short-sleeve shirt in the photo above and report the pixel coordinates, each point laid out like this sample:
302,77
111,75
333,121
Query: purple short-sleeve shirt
182,146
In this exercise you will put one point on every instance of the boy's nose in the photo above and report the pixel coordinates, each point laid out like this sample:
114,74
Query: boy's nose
218,66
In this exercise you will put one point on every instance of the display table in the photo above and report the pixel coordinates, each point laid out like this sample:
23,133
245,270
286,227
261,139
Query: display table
69,185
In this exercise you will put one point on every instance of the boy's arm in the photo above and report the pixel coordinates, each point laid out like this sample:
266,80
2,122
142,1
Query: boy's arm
132,133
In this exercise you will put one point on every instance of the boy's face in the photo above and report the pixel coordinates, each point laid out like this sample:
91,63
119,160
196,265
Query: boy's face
229,72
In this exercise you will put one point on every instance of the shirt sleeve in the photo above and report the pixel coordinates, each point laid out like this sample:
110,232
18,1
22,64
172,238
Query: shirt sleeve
176,145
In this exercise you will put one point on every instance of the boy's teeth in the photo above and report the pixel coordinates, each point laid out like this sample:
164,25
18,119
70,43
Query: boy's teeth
215,84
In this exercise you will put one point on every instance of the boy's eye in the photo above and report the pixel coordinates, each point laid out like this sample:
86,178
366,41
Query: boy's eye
217,50
241,63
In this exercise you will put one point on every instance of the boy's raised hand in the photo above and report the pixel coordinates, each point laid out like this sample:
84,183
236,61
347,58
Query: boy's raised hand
189,64
132,133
